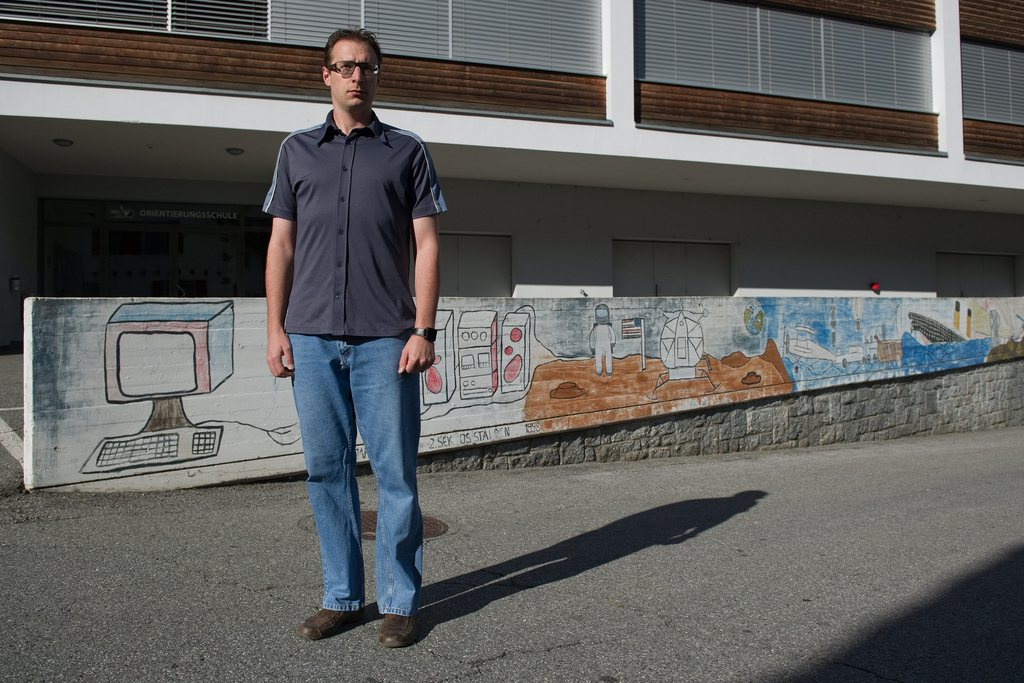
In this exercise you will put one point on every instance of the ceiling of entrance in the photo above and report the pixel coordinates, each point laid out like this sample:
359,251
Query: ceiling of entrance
179,152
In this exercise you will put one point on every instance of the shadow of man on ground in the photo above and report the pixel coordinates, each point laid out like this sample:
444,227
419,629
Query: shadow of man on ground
665,525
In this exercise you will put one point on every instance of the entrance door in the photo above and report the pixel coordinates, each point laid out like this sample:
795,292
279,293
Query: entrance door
476,265
73,262
171,261
670,269
207,264
128,249
987,275
139,262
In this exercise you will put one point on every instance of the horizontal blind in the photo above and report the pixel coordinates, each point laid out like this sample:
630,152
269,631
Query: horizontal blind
913,70
993,83
244,18
417,28
150,14
557,35
790,54
311,22
701,44
742,46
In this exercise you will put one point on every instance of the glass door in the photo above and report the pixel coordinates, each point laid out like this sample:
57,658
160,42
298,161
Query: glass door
139,261
207,263
73,262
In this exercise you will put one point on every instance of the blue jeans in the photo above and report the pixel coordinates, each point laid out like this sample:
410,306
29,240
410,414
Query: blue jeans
337,381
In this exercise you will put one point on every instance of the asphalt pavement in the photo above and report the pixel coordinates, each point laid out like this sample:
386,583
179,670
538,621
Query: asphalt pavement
900,560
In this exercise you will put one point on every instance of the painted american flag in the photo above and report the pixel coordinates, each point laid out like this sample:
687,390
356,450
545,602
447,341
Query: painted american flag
632,328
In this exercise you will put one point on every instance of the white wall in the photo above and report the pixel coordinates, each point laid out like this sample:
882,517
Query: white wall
18,237
562,237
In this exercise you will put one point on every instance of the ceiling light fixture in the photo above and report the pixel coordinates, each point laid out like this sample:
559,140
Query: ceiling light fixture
235,151
63,142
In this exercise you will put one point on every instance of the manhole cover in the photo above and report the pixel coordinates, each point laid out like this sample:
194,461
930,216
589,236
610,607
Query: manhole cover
432,526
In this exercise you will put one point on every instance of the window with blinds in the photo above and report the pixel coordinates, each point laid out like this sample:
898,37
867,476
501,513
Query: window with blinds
746,47
993,80
310,22
555,35
131,13
542,34
243,18
416,28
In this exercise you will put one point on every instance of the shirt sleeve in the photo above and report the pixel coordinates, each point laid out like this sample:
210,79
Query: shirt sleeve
280,201
427,197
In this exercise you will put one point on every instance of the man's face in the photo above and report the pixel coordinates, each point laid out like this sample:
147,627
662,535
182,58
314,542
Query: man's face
357,91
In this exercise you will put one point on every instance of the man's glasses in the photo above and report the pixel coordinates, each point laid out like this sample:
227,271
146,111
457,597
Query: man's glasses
346,69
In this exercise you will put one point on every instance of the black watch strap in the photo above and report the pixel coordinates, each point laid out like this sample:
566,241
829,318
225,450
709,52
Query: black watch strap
428,333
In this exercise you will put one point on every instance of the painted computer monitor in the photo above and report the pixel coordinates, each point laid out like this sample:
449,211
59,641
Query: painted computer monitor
160,352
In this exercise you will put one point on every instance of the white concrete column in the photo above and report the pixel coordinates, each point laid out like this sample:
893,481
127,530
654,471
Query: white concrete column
947,81
618,50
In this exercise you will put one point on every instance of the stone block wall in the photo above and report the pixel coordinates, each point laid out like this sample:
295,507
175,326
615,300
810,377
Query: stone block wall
965,400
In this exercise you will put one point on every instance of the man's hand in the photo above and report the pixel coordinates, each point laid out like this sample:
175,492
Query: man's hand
417,356
279,354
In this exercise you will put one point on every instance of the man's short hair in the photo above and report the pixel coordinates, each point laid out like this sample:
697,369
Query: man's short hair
360,35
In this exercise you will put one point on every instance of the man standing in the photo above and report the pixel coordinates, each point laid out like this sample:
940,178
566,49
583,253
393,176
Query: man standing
347,197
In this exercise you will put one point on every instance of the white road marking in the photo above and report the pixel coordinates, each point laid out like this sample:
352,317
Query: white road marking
10,440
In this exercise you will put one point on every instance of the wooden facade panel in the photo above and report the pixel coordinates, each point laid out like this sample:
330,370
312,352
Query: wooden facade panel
734,112
916,14
986,139
998,21
206,63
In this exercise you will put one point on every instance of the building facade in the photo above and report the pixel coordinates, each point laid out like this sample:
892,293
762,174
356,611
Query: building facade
586,147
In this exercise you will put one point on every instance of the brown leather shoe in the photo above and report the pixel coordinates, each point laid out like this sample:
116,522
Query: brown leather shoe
397,631
328,622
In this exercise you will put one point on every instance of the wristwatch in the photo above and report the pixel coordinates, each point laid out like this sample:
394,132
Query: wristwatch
428,333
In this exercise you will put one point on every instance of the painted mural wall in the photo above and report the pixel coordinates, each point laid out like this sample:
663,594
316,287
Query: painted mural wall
176,392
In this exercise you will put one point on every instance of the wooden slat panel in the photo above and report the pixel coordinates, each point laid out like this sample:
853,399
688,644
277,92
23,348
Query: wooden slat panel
916,14
164,59
998,140
999,21
719,110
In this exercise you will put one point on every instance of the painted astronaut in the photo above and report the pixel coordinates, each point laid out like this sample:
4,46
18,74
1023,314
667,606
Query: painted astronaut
602,339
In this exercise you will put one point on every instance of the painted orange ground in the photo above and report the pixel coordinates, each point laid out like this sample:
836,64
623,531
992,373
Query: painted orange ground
568,394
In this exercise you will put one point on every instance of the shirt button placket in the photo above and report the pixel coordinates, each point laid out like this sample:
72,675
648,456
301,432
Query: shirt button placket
341,273
340,276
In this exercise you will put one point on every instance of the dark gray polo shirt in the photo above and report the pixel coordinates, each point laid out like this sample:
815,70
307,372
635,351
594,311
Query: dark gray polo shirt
353,200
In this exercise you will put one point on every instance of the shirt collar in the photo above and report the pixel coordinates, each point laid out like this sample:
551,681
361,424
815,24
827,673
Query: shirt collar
328,130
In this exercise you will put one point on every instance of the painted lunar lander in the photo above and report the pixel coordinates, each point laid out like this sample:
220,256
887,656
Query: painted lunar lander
682,345
682,348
